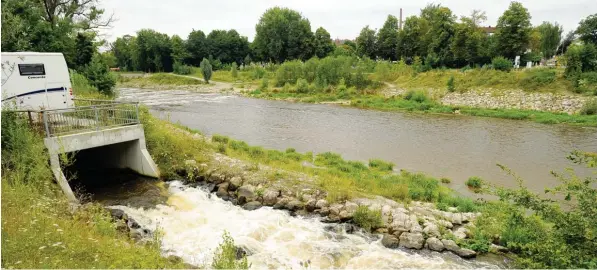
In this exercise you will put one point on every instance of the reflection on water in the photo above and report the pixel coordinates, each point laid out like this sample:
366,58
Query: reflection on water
456,147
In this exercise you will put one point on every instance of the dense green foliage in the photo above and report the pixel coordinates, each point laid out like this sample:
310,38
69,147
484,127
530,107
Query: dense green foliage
283,34
323,43
513,30
543,232
551,35
474,182
367,43
387,39
587,29
501,63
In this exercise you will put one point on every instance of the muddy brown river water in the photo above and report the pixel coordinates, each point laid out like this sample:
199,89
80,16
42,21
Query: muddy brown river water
450,146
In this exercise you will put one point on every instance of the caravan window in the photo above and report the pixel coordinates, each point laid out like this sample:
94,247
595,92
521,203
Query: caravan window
32,69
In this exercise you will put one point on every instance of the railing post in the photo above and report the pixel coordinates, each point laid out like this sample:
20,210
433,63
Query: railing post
137,110
97,124
45,117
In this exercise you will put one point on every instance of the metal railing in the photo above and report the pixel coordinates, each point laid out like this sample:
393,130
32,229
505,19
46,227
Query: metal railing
100,114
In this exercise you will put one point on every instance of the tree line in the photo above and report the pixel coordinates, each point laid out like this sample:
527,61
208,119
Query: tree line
436,36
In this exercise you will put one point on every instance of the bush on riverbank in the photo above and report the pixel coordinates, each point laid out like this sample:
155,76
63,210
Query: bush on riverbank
38,228
367,219
546,233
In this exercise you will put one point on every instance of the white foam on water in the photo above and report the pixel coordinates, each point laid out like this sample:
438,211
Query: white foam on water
193,221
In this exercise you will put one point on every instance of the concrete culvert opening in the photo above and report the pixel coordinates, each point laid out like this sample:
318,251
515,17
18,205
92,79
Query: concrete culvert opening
110,175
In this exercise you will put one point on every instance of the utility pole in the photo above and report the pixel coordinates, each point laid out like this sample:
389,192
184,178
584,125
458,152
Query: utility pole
400,21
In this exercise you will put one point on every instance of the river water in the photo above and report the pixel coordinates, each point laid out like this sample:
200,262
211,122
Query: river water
452,146
192,222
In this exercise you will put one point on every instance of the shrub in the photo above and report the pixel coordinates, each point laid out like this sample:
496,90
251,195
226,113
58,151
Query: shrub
289,72
367,219
264,84
219,139
587,83
590,107
99,76
381,165
474,182
238,145
256,152
206,70
179,68
234,70
302,86
501,63
450,84
418,96
538,77
225,255
257,73
446,180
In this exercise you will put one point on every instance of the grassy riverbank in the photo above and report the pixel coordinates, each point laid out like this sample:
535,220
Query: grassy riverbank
418,101
538,232
39,230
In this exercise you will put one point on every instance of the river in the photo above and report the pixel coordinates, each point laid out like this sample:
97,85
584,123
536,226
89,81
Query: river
450,146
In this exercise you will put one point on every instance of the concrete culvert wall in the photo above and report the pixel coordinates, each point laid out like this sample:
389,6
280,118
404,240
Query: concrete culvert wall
100,152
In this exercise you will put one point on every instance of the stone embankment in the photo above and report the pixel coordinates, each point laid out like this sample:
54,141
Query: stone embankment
516,99
415,225
500,99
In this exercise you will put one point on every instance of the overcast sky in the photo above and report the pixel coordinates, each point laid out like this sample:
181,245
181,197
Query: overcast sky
342,18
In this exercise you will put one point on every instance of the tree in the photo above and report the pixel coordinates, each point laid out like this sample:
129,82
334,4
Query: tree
366,43
227,46
283,34
467,43
234,70
387,39
566,42
154,52
323,43
410,41
98,74
439,35
179,50
247,60
551,34
587,29
84,50
478,17
196,47
124,49
206,70
513,31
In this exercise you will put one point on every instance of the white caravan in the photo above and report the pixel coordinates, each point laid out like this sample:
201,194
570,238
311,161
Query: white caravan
34,81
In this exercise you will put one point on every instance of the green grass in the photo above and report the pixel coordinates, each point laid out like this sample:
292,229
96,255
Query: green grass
157,79
381,164
474,182
38,228
419,104
225,255
367,219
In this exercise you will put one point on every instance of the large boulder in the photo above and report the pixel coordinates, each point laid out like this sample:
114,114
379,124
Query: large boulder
252,205
246,193
321,203
466,253
450,245
431,230
222,189
294,205
390,241
311,205
216,178
350,208
235,183
461,232
412,240
434,244
400,223
270,197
